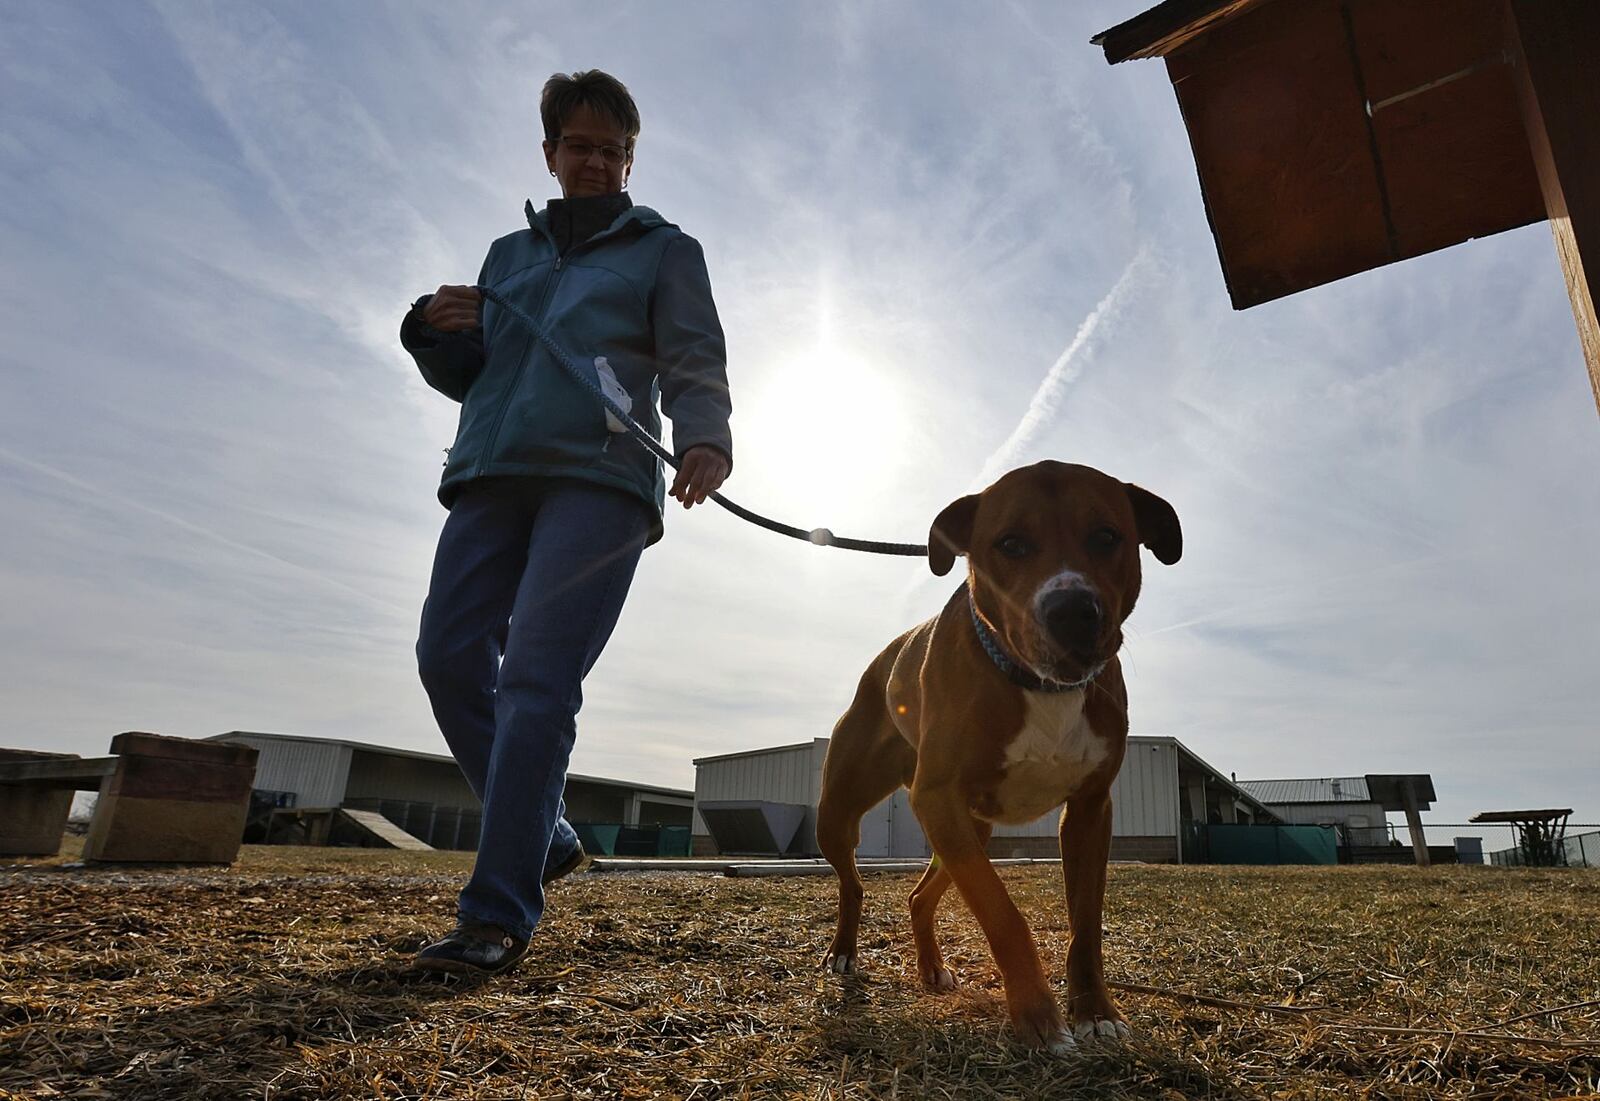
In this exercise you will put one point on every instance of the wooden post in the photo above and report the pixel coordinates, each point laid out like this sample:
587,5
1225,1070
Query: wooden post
1555,45
1419,840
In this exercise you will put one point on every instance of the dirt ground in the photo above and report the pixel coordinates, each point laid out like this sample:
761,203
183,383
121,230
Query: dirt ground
286,977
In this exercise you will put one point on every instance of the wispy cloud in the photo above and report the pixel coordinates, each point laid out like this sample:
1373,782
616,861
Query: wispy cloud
121,502
1066,368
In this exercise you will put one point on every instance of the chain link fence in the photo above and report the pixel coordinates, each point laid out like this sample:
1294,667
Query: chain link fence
1496,843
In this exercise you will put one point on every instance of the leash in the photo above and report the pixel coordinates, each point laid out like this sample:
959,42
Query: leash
821,537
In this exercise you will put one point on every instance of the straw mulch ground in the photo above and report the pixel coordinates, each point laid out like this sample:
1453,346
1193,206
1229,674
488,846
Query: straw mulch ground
285,977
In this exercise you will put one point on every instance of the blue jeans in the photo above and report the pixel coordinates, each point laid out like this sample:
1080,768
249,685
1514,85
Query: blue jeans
527,585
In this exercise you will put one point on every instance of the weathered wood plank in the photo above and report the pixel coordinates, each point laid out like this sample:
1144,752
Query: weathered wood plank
1455,163
1556,44
77,773
1167,27
183,749
384,830
1287,166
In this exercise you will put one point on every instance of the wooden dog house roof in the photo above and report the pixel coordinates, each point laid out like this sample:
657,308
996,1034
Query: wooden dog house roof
1334,136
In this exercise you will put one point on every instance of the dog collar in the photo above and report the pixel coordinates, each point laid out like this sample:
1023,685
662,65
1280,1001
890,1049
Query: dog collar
1018,674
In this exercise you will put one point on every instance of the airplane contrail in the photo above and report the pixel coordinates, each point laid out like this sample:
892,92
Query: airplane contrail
1067,367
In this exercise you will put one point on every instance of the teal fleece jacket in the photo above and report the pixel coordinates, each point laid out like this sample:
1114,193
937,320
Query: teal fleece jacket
632,300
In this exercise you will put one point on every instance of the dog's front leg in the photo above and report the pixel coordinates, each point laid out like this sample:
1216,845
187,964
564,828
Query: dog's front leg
947,821
1085,850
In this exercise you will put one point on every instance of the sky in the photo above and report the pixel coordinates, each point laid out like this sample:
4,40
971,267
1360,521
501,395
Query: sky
945,240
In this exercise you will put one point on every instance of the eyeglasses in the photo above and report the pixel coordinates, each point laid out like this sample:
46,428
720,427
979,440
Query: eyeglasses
583,150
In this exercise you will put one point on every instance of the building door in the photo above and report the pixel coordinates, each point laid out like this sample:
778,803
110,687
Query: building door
906,839
875,831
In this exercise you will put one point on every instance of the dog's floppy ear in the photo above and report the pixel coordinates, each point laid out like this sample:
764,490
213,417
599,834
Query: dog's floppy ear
951,533
1158,524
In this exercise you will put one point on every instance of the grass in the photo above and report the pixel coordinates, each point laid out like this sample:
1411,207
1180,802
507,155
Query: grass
285,977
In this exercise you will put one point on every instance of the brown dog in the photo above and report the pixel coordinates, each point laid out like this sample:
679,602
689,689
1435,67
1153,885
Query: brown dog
1006,704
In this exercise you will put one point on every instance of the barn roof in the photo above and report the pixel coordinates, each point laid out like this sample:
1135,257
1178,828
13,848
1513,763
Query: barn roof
1385,789
1340,789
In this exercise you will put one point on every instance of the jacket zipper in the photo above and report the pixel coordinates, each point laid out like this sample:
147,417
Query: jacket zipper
516,378
533,343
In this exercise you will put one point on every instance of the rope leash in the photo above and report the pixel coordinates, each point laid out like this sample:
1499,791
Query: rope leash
821,537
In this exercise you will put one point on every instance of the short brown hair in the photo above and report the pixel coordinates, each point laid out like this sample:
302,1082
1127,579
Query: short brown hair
564,94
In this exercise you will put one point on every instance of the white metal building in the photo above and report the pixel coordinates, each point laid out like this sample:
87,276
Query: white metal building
1338,800
425,793
1162,788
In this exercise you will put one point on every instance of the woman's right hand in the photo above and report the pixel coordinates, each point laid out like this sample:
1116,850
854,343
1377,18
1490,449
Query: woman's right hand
453,309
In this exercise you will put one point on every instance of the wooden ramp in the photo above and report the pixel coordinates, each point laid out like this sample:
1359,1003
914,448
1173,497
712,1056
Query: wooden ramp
376,825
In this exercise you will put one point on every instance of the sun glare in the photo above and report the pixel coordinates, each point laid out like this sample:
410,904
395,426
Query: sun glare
825,416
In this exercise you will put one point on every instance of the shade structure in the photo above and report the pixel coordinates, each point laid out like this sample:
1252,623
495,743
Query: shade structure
1547,815
1336,136
1390,790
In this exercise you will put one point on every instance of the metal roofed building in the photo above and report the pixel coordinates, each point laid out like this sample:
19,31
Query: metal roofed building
1163,789
1341,800
1355,802
425,793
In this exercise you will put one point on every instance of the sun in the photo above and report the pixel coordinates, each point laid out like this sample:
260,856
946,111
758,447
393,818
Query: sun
828,417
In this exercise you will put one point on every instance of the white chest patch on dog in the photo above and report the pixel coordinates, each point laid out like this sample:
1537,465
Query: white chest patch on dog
1050,757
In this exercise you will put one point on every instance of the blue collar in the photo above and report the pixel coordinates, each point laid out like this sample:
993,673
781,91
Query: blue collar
1016,673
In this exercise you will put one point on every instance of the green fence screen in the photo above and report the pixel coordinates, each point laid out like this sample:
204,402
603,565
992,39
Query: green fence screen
615,839
1233,844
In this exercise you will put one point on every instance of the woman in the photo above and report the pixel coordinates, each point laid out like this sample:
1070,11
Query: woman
550,506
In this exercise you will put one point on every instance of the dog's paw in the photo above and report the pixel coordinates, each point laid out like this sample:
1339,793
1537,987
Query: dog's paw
1061,1043
1102,1028
1040,1026
840,963
940,980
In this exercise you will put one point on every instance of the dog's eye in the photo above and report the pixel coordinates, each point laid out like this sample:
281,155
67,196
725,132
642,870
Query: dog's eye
1105,539
1014,546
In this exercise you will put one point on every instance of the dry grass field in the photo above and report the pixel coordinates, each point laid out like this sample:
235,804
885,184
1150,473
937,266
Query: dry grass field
286,977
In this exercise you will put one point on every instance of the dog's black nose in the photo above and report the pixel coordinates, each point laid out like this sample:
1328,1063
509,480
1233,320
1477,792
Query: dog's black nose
1072,617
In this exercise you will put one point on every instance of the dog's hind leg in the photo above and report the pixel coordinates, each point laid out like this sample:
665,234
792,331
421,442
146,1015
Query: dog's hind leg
867,760
925,898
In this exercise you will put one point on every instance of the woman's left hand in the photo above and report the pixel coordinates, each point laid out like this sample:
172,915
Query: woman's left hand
702,472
